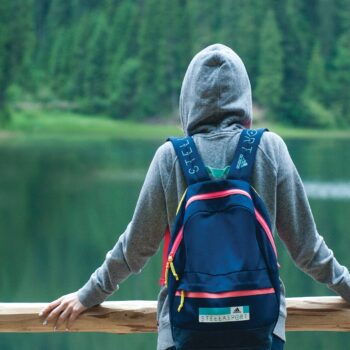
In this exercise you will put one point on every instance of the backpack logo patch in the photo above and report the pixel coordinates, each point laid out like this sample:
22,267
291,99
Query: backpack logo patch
224,314
241,162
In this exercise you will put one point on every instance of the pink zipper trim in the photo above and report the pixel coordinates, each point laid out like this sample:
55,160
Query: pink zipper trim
266,228
177,242
218,194
232,294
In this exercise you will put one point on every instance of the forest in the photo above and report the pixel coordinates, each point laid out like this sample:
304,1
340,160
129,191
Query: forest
126,58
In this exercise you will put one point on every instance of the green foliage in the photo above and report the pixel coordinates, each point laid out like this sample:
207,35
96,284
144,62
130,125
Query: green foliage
315,98
121,40
60,62
316,114
341,80
343,16
316,78
51,123
173,53
127,58
247,20
326,25
124,97
43,124
148,42
14,41
269,84
96,73
296,30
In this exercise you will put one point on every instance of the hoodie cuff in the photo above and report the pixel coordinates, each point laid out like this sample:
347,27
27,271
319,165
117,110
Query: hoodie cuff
343,289
91,294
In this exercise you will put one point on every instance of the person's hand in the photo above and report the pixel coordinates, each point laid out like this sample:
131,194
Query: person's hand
63,310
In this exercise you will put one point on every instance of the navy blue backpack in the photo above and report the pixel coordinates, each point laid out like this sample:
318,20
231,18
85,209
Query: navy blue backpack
221,271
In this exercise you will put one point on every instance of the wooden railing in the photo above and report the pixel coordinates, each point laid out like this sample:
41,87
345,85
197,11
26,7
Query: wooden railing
304,314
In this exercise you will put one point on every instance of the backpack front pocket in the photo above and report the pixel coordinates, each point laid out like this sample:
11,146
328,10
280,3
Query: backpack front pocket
257,306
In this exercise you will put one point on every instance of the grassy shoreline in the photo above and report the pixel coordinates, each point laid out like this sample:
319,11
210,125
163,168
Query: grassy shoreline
61,124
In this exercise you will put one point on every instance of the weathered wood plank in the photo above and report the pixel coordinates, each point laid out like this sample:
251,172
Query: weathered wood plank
318,314
139,316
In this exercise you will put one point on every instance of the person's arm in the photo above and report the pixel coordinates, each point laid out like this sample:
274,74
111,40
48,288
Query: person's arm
134,247
297,229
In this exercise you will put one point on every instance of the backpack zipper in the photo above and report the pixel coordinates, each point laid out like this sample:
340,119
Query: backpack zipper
232,294
213,195
172,253
218,194
226,193
182,300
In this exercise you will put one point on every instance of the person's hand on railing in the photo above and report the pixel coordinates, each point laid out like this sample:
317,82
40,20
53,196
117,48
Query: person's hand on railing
63,310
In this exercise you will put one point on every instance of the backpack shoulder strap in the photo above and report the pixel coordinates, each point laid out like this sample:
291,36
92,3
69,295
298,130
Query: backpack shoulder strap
190,161
244,157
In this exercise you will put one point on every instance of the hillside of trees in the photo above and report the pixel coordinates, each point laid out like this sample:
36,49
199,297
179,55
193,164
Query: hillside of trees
127,58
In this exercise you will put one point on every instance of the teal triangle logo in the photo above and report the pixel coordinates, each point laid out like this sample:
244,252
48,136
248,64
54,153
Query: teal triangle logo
241,162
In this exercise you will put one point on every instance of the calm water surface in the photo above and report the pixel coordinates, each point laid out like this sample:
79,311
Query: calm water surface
64,204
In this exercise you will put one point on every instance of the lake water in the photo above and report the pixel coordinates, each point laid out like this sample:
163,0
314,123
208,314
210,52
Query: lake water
63,204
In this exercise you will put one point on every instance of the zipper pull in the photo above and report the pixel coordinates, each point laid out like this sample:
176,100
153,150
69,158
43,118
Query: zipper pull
182,301
172,268
166,273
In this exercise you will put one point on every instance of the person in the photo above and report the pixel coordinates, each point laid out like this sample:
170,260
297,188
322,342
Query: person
215,105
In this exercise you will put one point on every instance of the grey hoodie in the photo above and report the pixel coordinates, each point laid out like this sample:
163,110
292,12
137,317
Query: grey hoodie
215,104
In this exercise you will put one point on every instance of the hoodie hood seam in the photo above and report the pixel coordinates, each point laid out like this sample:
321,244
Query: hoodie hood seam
215,92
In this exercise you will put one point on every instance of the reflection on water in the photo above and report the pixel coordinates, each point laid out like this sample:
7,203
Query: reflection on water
64,204
328,190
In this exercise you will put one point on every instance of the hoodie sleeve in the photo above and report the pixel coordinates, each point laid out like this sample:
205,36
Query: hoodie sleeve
136,245
296,227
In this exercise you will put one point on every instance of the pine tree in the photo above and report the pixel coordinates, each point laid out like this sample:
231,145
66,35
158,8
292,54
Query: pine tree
269,81
121,47
41,11
96,74
122,26
315,95
249,15
123,100
173,53
60,60
14,41
341,80
326,26
182,45
104,53
60,14
165,55
316,75
148,43
297,44
76,87
343,16
205,20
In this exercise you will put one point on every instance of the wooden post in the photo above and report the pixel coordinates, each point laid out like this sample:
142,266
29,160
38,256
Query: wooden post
304,314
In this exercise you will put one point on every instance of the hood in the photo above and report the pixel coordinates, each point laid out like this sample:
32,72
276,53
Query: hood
215,92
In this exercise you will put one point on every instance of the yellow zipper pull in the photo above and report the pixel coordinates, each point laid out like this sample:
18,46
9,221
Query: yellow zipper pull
182,301
172,268
166,273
